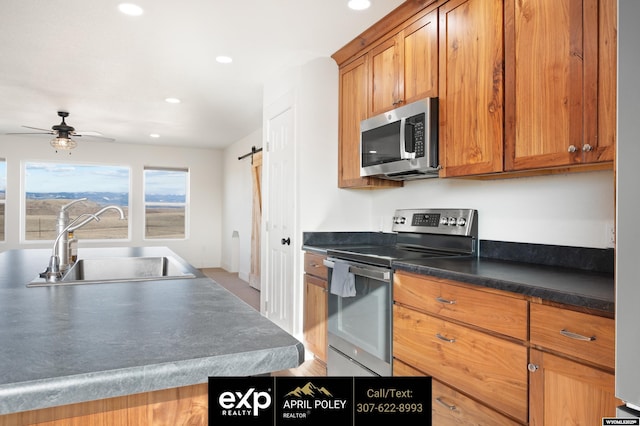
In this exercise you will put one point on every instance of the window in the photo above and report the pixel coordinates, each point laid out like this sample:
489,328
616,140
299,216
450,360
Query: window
49,186
3,190
165,203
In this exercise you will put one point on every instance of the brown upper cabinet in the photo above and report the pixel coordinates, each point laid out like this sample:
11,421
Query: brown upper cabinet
397,68
523,85
471,109
404,67
560,82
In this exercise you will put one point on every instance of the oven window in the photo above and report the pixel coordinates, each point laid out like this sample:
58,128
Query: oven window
364,320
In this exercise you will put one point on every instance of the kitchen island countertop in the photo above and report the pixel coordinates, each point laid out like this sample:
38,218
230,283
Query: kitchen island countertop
75,343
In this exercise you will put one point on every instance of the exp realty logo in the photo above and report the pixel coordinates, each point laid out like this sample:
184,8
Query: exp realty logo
241,401
313,401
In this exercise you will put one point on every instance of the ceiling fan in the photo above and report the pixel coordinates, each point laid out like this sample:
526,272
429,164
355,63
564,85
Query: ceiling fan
63,133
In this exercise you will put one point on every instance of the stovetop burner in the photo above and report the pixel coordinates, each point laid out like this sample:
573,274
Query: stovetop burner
421,234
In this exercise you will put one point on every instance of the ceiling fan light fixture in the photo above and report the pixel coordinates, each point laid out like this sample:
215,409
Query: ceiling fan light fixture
63,143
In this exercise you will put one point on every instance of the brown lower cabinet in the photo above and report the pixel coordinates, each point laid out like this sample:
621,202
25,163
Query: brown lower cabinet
500,358
566,392
316,309
571,364
450,407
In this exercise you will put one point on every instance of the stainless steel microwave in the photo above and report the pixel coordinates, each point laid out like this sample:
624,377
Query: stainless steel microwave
401,144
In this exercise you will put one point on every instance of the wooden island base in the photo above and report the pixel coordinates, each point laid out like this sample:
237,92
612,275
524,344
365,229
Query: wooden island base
186,405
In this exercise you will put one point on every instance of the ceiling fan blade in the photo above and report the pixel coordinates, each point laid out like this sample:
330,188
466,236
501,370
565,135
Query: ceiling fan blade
51,132
92,135
30,133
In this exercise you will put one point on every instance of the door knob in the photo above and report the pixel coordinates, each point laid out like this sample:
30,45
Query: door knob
287,241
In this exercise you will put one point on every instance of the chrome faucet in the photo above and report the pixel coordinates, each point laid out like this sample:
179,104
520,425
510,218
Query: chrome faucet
60,260
63,222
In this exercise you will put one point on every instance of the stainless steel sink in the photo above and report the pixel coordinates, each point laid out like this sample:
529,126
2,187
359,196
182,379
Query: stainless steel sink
120,269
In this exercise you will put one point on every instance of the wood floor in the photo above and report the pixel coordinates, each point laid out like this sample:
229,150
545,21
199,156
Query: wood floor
251,296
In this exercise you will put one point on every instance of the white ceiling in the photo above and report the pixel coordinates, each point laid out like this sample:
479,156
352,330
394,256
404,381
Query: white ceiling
112,72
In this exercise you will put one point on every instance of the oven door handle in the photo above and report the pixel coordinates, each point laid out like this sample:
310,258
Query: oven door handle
363,272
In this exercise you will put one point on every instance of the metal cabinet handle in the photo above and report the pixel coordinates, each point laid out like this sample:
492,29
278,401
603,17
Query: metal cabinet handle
441,337
572,148
532,367
444,404
586,147
446,301
577,336
285,241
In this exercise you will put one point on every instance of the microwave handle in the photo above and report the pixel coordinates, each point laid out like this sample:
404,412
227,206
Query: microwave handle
404,153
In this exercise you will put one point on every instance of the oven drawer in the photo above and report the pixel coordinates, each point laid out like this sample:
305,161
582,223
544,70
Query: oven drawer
496,312
577,334
338,364
313,265
492,369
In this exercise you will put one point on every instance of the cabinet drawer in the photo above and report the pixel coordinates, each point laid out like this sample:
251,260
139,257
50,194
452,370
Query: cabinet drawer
313,265
311,280
488,367
496,312
449,407
578,334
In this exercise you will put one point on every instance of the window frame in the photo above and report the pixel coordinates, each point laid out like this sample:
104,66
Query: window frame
3,202
186,204
23,199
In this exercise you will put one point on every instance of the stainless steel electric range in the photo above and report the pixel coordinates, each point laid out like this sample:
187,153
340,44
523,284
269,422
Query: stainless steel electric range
360,319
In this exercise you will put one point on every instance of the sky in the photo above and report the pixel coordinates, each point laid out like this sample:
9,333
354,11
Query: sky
56,177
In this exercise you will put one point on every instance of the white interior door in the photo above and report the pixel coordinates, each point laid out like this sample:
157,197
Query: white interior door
278,288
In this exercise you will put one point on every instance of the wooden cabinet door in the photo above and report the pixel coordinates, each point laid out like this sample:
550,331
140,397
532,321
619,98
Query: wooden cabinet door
471,87
316,315
353,107
607,80
420,59
384,60
552,83
564,392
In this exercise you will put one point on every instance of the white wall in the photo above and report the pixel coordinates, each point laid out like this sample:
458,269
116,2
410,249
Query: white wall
202,248
237,206
575,209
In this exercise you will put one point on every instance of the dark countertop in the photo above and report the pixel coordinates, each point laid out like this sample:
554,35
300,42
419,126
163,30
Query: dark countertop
76,343
591,287
583,289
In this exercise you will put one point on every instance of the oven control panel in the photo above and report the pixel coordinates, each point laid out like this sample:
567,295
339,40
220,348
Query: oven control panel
437,221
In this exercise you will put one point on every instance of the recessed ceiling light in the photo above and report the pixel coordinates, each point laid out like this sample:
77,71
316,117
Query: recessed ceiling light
154,135
172,100
130,9
224,59
359,4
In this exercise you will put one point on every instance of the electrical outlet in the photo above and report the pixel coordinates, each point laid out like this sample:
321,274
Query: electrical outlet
610,234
